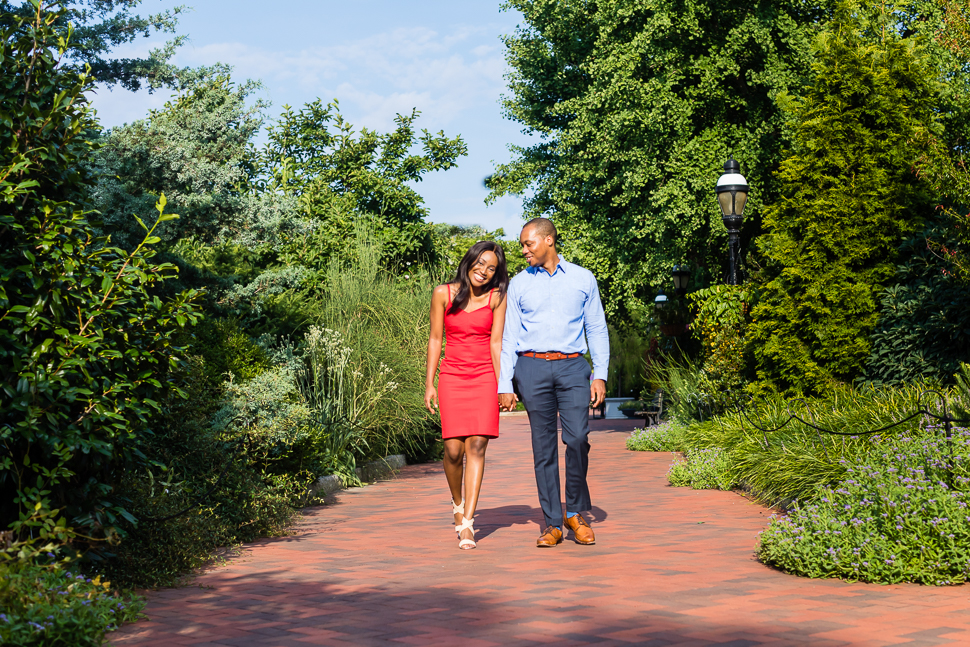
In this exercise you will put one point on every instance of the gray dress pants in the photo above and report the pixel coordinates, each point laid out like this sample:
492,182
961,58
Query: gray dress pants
550,390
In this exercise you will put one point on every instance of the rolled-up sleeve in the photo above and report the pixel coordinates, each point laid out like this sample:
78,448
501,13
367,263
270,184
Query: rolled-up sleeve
597,335
510,339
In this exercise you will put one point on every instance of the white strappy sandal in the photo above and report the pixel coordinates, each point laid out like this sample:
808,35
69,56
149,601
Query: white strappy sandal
464,544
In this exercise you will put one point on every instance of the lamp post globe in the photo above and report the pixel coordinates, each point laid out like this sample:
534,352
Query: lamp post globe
661,301
732,194
681,276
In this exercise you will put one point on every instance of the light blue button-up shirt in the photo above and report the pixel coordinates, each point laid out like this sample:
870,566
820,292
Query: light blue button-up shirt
549,313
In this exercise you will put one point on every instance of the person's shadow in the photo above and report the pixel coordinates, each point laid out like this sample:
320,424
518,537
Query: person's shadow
489,520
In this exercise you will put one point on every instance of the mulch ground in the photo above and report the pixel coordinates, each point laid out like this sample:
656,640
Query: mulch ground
672,566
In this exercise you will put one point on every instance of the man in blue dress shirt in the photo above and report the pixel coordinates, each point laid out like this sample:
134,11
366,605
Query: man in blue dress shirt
550,305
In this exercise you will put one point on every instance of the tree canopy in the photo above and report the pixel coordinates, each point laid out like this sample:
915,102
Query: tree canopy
636,106
95,27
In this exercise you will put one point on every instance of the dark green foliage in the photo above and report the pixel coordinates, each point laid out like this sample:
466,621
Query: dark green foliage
636,106
98,26
245,504
85,346
924,319
50,606
629,351
849,198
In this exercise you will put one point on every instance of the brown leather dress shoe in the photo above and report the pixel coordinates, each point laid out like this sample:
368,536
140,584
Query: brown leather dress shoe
550,537
582,533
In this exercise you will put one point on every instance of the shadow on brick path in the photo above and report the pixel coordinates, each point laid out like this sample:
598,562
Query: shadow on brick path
671,566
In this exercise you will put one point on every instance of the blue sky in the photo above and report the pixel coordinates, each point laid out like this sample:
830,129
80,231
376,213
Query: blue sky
378,58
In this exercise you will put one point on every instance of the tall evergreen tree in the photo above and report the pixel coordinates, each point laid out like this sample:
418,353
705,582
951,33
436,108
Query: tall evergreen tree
92,28
849,198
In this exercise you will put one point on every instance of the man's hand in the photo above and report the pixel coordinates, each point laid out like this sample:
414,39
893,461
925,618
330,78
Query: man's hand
597,393
507,401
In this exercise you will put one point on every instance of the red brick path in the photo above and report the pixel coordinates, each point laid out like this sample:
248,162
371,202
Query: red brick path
672,566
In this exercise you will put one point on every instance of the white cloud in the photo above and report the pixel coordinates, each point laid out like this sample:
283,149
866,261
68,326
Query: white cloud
453,76
376,76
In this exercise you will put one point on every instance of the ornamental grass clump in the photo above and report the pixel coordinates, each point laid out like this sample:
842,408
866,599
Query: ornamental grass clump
703,469
900,516
668,436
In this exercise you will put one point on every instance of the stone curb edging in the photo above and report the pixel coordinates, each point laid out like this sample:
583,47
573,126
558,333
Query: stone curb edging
370,472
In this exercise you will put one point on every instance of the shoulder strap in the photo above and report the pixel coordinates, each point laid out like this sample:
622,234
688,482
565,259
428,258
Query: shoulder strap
490,297
448,285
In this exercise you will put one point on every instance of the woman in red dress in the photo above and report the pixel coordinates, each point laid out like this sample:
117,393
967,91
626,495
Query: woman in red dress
470,311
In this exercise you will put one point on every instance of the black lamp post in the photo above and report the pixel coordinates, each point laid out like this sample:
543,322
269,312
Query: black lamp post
661,301
732,193
681,278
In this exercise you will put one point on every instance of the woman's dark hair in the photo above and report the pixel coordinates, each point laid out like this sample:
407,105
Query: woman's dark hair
499,280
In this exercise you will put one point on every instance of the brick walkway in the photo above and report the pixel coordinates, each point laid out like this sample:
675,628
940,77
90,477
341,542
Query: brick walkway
671,566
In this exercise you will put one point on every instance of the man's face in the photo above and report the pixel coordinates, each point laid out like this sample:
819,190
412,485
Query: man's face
536,249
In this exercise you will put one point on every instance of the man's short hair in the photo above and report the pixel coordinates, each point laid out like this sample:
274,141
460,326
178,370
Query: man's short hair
543,227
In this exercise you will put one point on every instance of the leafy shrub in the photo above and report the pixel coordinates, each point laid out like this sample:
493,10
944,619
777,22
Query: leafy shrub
668,436
452,241
924,319
85,340
898,516
48,606
721,323
248,499
703,469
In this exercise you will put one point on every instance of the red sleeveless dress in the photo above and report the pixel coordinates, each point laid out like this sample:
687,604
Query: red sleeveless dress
467,388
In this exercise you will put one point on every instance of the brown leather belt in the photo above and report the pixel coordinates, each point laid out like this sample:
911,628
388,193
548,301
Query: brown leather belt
550,356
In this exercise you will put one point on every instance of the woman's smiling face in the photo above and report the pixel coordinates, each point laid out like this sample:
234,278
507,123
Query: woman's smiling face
483,270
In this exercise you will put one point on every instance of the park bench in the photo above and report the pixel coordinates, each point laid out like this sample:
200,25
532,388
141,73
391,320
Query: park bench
654,411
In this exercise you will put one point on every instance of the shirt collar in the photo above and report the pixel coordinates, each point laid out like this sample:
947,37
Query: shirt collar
561,265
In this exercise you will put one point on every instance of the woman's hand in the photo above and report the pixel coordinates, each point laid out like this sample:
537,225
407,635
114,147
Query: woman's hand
431,399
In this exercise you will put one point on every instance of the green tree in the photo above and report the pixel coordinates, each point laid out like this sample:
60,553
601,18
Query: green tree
636,106
342,178
196,150
85,344
452,241
98,26
849,198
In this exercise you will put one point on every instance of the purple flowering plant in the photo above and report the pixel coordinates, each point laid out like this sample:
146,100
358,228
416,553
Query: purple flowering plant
703,469
46,605
668,436
901,515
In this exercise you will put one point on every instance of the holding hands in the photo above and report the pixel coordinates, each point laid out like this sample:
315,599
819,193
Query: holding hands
507,401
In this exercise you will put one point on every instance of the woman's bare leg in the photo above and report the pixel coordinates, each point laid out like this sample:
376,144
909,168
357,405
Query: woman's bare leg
454,458
474,472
